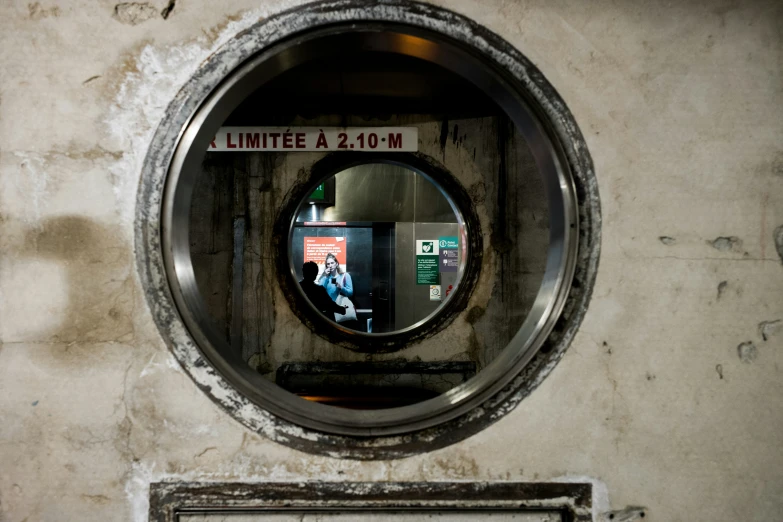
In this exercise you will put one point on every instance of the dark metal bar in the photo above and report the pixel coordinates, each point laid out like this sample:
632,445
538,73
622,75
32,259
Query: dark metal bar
573,501
238,262
237,268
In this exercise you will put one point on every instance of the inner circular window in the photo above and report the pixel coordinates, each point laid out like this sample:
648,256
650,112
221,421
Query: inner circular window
368,229
377,248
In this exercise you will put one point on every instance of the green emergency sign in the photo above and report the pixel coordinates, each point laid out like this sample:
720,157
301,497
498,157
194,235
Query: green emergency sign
427,272
319,192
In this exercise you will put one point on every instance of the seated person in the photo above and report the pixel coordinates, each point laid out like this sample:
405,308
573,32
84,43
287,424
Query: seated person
316,293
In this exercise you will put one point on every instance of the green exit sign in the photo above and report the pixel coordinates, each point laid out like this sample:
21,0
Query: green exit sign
318,193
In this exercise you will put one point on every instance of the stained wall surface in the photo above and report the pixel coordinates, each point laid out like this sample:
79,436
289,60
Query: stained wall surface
669,397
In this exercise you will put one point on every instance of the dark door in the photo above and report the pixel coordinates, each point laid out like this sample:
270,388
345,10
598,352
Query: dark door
382,277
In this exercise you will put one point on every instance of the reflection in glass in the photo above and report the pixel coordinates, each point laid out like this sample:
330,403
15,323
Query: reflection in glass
317,294
386,243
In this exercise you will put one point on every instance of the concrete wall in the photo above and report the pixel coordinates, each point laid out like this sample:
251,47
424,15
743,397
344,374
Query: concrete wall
661,400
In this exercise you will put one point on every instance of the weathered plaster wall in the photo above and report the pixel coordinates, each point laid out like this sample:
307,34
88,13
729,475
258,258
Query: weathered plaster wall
661,400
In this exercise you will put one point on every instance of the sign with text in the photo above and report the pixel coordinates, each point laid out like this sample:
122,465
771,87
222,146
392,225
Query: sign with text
448,260
427,270
449,256
319,192
316,249
314,139
450,242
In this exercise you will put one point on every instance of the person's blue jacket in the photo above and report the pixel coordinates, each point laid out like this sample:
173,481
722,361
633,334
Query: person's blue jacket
345,283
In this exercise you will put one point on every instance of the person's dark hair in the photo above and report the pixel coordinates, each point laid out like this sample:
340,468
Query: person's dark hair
309,271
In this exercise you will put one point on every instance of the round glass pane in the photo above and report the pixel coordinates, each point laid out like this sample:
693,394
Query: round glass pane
378,248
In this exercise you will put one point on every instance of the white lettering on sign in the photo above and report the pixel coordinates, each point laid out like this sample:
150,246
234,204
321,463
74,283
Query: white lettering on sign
313,139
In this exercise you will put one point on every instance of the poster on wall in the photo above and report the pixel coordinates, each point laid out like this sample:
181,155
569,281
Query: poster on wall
448,248
427,262
317,248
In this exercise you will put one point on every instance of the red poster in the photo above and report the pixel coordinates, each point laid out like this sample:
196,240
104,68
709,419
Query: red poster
316,249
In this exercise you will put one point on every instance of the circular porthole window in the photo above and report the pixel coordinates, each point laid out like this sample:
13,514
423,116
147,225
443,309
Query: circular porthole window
368,230
393,241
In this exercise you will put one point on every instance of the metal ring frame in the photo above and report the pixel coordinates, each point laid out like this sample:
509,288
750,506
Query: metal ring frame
467,274
484,72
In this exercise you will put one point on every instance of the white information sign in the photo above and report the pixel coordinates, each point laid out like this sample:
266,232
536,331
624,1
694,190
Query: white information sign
312,139
427,247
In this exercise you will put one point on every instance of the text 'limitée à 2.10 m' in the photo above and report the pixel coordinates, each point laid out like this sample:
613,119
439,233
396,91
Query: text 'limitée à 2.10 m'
288,139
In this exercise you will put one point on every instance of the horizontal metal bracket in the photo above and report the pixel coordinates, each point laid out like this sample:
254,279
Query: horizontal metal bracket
185,501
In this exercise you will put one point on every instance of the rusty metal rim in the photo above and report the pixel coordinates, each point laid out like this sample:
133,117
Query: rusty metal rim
223,383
